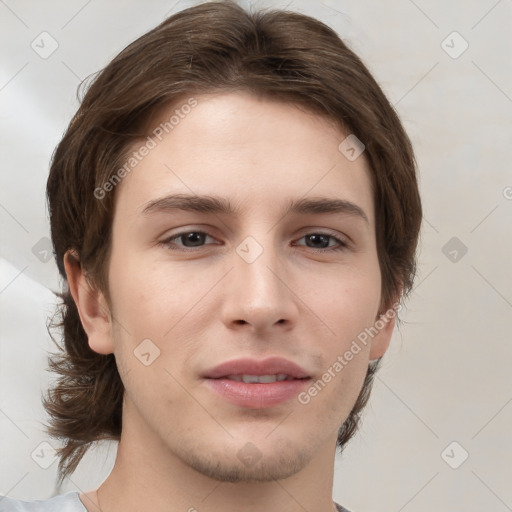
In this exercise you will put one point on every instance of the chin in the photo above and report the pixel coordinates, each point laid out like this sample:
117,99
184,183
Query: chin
248,465
247,458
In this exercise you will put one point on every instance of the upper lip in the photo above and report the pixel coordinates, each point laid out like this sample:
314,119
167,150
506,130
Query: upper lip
247,366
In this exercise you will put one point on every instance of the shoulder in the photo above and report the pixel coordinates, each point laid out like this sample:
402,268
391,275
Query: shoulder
69,502
340,508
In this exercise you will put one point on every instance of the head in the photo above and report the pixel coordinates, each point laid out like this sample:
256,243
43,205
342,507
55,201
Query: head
256,109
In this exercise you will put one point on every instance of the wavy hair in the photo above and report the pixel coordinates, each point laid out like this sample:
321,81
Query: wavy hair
212,47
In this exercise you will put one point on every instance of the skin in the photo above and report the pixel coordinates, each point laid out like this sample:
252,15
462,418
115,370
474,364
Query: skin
179,444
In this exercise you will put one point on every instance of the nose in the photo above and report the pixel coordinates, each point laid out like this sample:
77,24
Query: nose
258,293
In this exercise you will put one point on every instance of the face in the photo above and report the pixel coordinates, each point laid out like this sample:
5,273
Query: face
287,292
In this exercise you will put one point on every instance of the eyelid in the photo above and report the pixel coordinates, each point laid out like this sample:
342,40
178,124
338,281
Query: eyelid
341,244
341,240
167,241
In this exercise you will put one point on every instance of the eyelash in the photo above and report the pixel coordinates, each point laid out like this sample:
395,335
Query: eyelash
168,242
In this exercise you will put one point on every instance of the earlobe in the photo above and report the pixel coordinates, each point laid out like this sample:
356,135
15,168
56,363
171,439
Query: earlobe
91,304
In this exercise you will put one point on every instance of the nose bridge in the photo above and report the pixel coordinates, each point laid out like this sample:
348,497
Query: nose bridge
258,263
258,293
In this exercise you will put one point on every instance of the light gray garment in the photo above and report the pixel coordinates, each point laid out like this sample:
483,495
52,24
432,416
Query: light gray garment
69,502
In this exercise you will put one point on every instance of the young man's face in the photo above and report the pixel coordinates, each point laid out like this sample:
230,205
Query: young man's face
258,284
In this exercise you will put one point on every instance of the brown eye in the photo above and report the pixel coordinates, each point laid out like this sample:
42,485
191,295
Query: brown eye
321,242
187,239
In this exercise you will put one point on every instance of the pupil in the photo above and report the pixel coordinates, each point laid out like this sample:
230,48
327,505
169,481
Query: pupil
317,237
195,238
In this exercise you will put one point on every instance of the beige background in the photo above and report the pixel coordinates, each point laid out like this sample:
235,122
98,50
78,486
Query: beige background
446,378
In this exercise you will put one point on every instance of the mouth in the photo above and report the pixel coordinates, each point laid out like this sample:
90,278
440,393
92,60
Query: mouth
248,370
257,384
261,379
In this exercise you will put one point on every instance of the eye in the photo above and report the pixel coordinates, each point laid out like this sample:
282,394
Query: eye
320,242
190,240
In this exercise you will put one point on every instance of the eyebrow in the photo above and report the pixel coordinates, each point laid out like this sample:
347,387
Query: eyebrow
220,205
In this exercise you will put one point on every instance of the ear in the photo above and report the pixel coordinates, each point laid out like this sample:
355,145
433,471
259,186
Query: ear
91,304
385,323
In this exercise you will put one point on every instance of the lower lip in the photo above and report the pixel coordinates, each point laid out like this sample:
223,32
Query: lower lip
257,396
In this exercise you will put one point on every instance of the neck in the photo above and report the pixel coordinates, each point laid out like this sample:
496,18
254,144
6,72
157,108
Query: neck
148,476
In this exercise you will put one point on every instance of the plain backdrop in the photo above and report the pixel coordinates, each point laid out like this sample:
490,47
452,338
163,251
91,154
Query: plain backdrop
437,431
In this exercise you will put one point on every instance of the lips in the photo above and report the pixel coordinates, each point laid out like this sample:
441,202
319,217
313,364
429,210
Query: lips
254,384
252,367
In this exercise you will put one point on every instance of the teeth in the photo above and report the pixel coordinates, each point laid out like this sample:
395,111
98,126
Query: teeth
261,379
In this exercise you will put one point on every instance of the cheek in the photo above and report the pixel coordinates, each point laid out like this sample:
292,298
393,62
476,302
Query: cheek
147,300
348,303
153,305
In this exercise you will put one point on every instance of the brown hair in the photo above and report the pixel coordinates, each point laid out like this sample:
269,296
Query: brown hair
215,46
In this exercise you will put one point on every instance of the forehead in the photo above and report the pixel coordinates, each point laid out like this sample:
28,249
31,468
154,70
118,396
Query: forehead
255,152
